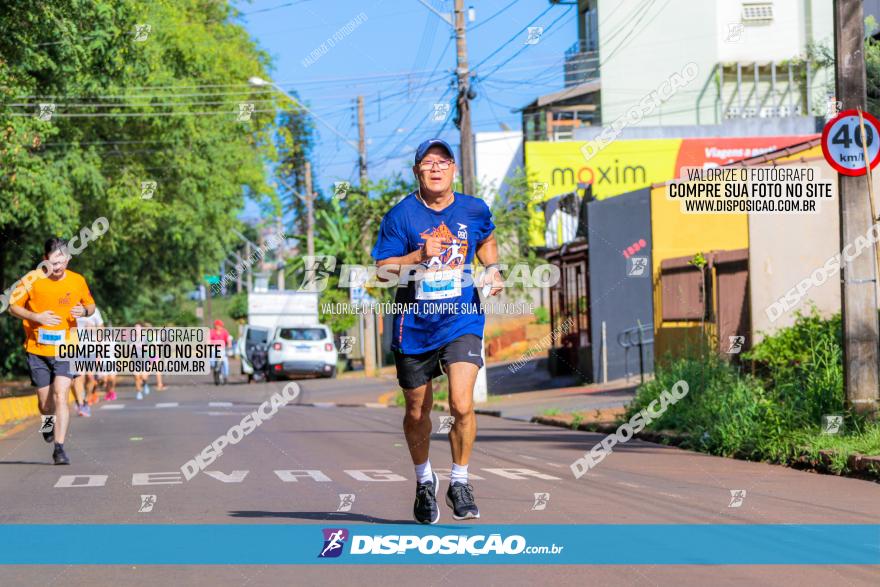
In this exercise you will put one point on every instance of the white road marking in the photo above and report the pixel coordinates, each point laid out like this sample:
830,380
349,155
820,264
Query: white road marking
112,406
379,475
633,485
233,477
375,405
163,478
68,481
517,474
219,404
443,475
670,495
557,465
167,405
324,405
291,476
528,457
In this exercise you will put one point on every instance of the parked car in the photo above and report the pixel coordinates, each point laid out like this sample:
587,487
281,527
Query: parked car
302,350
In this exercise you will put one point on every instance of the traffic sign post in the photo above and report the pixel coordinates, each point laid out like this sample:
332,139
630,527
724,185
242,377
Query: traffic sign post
842,143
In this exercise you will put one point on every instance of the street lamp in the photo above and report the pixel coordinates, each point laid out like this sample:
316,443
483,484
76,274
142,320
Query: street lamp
259,82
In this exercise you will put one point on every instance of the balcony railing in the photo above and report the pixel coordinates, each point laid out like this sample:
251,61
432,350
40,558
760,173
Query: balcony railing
581,64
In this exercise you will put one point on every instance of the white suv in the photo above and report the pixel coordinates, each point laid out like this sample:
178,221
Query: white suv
302,350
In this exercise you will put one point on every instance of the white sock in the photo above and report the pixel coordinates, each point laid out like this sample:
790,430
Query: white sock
424,473
459,474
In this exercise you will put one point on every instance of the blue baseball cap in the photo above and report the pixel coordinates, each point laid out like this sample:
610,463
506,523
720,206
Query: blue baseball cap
423,149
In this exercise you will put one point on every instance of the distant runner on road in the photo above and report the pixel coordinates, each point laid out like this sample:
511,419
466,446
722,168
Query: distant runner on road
85,384
442,231
49,305
142,379
221,337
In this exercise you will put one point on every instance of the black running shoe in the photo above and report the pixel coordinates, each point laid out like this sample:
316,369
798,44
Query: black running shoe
60,457
48,429
460,497
425,509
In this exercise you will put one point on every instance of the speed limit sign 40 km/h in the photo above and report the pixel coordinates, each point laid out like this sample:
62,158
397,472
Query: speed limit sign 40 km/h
842,142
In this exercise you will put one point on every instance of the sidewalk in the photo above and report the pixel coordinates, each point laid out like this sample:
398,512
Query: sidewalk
532,392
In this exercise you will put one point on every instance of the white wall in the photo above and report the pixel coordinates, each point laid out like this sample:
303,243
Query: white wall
782,38
639,50
498,154
786,248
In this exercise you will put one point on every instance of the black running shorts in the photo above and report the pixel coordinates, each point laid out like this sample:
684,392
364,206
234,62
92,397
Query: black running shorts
416,370
45,369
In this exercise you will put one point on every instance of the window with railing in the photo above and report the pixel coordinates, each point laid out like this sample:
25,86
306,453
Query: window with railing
582,58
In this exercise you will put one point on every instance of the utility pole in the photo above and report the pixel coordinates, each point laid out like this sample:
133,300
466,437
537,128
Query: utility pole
250,273
280,254
362,143
208,305
464,105
858,293
370,321
310,212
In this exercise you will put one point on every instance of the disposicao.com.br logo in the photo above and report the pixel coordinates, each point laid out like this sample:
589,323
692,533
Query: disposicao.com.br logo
430,544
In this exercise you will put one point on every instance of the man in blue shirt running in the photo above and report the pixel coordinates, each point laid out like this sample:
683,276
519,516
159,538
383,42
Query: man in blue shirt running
430,239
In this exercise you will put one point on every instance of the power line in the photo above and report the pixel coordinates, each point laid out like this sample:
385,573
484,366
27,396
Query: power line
138,114
475,27
273,8
511,39
524,47
149,104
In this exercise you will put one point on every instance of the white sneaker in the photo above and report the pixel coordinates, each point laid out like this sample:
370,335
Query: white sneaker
146,389
139,396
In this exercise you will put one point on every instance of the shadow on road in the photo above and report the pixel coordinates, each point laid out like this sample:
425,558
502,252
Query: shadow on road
323,516
534,375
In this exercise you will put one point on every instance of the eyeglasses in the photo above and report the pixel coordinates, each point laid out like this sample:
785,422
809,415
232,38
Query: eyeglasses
442,164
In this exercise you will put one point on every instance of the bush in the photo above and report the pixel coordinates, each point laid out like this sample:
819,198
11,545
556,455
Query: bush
776,416
803,366
542,315
723,413
238,306
781,353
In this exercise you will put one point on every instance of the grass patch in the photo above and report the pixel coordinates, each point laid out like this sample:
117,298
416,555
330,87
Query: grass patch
775,416
551,412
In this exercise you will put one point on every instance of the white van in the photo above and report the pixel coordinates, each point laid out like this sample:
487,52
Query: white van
287,322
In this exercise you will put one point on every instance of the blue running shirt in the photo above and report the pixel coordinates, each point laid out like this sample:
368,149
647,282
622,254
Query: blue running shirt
444,304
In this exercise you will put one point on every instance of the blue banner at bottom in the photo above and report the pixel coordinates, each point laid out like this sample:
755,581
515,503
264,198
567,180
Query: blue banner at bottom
275,544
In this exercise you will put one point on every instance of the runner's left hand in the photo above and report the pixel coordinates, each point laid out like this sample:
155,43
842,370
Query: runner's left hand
78,311
493,277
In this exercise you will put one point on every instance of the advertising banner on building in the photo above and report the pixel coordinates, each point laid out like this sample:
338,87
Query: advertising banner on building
627,165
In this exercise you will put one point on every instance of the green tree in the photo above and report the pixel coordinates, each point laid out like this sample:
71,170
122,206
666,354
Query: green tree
127,110
513,213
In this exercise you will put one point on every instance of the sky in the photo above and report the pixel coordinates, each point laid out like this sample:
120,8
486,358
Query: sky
401,57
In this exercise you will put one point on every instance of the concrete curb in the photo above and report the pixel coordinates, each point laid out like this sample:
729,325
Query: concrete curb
343,405
387,397
860,465
658,437
20,407
17,412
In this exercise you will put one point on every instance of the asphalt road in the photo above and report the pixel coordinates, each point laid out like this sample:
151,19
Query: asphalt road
361,451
